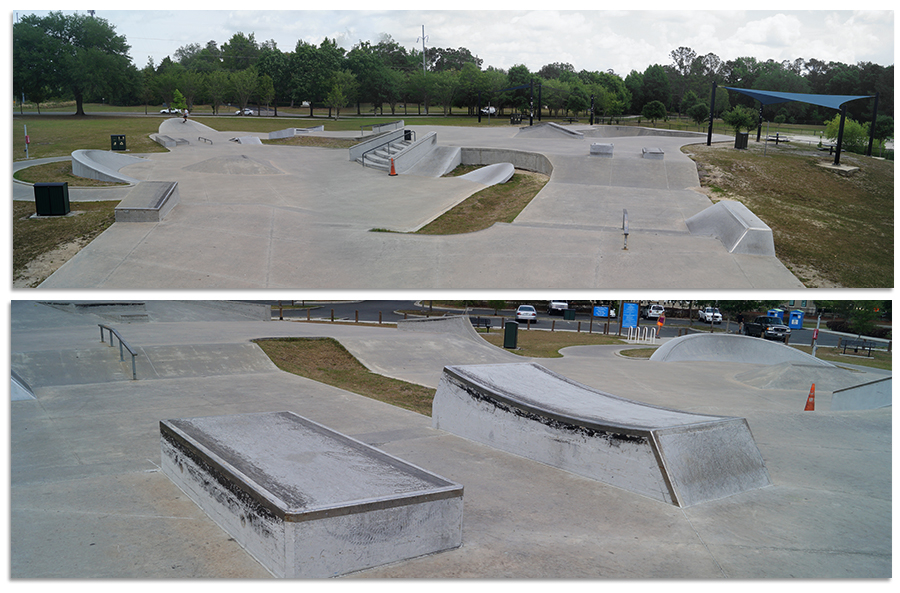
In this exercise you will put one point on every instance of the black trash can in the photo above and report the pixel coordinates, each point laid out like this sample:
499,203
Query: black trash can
51,199
511,335
117,141
569,314
741,139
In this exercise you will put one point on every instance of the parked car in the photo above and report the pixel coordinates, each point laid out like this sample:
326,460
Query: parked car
488,110
245,111
169,110
526,313
770,328
654,312
557,308
710,315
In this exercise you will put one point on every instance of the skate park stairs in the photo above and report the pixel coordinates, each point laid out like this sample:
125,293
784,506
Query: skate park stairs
306,501
675,457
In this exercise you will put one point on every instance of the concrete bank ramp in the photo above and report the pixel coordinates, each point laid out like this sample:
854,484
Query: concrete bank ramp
866,396
452,324
101,364
549,130
103,165
602,131
672,456
735,226
731,348
795,375
491,174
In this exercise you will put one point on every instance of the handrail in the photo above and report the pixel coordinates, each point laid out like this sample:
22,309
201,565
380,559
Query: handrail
121,344
388,144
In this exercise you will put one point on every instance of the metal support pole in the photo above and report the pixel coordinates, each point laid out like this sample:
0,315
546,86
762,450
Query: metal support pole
531,106
840,138
592,109
712,106
540,87
759,124
479,106
872,127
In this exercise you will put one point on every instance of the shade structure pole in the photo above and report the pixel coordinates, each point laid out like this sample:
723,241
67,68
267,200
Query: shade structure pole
712,106
872,127
840,138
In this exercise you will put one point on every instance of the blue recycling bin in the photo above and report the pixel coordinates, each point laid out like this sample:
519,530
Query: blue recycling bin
796,320
779,313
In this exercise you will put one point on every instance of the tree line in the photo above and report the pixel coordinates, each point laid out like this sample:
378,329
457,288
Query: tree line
82,58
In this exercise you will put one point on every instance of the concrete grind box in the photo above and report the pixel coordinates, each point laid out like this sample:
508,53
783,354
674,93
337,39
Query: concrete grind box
306,501
523,408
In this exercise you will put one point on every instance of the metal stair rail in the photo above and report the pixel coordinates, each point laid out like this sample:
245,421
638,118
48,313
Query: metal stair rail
380,156
122,347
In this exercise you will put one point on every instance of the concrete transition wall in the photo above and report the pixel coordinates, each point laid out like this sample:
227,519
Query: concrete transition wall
867,396
731,348
529,161
103,165
675,457
306,501
602,131
454,324
735,226
550,130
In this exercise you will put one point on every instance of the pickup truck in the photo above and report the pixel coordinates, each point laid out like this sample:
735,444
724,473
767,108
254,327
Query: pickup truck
710,315
770,328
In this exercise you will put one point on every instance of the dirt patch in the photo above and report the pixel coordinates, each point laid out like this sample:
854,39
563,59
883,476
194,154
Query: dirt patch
40,268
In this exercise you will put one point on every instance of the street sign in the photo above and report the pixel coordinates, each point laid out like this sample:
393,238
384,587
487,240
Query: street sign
601,311
629,315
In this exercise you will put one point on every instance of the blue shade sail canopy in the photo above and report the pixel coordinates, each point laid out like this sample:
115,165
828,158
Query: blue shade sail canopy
771,97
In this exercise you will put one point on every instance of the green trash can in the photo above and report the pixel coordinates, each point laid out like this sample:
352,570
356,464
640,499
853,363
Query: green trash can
51,198
510,334
569,314
117,141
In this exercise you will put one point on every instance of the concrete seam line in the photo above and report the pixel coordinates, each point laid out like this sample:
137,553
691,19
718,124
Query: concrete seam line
706,547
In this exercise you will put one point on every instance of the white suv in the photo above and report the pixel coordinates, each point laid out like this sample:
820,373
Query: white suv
654,312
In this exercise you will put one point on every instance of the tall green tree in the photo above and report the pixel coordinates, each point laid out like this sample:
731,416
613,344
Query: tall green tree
80,53
343,91
240,52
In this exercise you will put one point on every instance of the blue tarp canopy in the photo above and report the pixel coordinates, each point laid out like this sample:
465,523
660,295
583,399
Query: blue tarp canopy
770,97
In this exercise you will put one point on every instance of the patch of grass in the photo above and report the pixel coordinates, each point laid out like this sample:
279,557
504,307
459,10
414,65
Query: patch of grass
327,361
314,141
33,237
546,344
645,353
60,135
59,172
498,203
879,360
831,229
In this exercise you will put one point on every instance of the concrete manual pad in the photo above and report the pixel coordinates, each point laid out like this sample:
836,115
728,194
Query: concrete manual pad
677,457
149,201
306,501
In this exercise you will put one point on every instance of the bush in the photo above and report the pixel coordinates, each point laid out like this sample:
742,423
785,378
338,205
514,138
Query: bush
839,325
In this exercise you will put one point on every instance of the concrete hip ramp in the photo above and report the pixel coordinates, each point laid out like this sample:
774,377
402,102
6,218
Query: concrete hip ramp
731,348
676,457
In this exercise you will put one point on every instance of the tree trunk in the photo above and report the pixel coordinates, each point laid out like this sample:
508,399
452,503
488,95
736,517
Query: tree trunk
79,104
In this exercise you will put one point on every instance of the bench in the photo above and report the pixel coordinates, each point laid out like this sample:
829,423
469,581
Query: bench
515,118
857,345
572,120
777,138
484,322
306,501
680,458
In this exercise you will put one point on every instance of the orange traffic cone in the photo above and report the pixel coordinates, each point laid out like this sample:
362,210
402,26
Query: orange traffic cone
811,400
393,171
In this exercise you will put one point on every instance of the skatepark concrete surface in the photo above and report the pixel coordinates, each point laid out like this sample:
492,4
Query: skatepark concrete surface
88,498
265,216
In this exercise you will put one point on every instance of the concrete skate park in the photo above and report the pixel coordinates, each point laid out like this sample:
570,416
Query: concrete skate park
90,496
250,215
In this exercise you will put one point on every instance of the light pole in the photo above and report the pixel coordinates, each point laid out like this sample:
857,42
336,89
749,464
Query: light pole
423,38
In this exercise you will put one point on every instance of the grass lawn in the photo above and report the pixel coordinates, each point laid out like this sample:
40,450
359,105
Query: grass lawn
829,230
879,359
326,361
36,237
546,344
58,172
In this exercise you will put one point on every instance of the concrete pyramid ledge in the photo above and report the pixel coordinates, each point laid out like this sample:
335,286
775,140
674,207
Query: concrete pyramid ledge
676,457
735,226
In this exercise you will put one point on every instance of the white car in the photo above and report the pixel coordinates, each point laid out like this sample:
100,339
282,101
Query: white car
654,312
488,110
245,111
526,313
710,315
557,308
169,110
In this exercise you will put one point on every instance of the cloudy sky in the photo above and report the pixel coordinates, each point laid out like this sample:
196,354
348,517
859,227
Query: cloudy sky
587,39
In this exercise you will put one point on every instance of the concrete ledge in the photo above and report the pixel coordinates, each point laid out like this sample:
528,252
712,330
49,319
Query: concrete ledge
735,226
653,153
149,201
675,457
550,130
731,348
103,165
406,159
306,501
520,159
604,150
866,396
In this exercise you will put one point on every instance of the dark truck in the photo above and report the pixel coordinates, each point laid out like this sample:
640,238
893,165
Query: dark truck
770,328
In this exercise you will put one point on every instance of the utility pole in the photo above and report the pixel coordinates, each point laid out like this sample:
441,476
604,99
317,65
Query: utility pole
423,38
